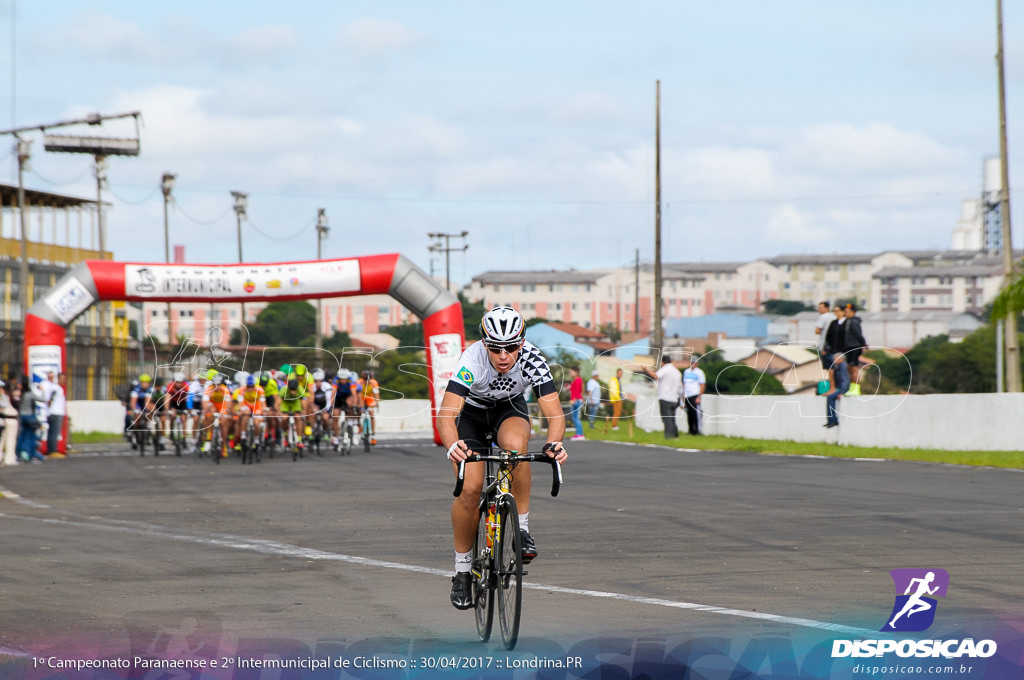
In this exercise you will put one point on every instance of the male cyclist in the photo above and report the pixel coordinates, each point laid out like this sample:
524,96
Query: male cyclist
323,399
294,396
370,390
250,401
486,395
270,392
346,400
140,405
217,399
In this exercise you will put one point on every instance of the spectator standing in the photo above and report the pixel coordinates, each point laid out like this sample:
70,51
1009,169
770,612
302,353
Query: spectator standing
670,387
57,410
854,343
694,383
840,378
825,318
615,398
28,446
576,401
593,398
9,436
834,341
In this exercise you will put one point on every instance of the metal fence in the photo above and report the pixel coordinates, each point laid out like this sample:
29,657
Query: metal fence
96,367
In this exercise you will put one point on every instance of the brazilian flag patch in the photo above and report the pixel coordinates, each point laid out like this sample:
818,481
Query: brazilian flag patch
465,375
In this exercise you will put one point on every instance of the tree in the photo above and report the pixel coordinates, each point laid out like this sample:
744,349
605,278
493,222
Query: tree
784,307
408,334
472,312
281,324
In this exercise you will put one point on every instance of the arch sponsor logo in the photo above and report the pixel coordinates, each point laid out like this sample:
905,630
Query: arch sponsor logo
913,611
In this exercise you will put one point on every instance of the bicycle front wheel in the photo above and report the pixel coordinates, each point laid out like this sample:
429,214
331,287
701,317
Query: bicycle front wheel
483,593
509,565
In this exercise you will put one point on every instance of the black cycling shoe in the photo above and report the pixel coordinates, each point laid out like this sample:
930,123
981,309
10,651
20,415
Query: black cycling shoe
462,590
529,547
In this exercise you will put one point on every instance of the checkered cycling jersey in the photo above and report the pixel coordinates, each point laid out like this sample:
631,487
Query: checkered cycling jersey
482,386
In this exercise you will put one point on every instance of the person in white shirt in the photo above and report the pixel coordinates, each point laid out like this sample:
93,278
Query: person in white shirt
820,326
694,383
670,386
593,398
56,411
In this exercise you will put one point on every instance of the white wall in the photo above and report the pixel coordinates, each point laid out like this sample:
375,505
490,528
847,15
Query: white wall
979,422
407,415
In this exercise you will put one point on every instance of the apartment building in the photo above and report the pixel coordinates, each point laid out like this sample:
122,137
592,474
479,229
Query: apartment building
943,282
356,315
593,298
812,278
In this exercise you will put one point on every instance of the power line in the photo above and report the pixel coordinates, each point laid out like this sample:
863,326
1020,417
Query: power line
297,234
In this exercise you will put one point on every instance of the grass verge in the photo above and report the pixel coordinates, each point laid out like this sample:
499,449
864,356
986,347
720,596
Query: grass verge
95,437
1001,459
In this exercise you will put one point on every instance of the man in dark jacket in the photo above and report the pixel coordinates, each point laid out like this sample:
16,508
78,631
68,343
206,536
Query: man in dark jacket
854,343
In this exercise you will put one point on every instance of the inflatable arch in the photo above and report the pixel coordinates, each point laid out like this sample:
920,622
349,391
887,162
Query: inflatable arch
99,280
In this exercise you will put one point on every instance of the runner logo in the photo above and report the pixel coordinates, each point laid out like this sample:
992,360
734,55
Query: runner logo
915,605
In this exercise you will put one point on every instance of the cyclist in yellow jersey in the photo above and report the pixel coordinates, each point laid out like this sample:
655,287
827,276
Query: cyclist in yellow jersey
294,396
370,391
270,393
250,400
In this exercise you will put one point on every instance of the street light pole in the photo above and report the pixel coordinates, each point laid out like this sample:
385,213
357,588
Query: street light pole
241,203
23,156
167,185
321,233
101,225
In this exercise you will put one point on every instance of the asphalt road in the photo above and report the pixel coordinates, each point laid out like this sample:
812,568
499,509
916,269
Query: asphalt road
109,551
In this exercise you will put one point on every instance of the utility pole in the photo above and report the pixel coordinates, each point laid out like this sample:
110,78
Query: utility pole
241,203
167,185
447,249
321,233
658,339
1013,379
636,293
23,157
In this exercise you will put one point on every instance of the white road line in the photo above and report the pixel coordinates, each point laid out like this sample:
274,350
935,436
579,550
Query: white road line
286,550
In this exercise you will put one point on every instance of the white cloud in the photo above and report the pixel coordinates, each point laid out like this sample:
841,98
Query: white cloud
843,148
373,39
588,107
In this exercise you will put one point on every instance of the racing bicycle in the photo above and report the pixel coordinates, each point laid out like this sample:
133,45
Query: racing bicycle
497,557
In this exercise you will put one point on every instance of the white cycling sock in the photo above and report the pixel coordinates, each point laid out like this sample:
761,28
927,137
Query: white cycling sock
524,521
463,562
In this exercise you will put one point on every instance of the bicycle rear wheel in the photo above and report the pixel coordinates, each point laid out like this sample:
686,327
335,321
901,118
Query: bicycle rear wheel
509,564
483,592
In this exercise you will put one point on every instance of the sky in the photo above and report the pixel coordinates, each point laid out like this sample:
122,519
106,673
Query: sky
789,127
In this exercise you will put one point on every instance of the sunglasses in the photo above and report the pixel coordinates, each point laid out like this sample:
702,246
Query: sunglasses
507,349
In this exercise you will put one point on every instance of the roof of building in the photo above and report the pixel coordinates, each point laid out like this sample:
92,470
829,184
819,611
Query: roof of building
853,258
578,332
35,198
552,276
797,355
978,269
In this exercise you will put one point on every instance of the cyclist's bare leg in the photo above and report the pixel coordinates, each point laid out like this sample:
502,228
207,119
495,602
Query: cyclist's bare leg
514,435
464,506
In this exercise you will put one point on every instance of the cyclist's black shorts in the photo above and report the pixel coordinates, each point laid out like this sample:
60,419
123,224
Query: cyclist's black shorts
271,400
475,424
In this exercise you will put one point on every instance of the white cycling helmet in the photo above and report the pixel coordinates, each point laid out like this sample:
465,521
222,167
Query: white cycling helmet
179,377
502,326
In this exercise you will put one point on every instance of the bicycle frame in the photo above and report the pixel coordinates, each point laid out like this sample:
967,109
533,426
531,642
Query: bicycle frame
497,559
